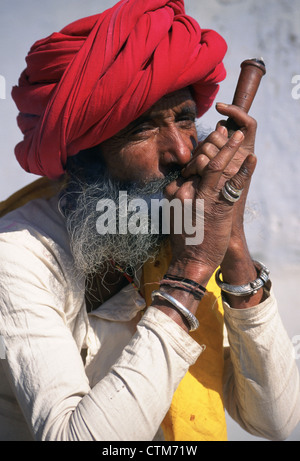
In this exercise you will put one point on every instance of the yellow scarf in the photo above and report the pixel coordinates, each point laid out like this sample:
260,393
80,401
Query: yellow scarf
196,412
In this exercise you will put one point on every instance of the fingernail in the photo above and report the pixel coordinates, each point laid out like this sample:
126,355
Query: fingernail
251,158
222,130
221,104
238,136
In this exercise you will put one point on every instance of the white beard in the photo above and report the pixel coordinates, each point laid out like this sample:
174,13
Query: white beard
93,251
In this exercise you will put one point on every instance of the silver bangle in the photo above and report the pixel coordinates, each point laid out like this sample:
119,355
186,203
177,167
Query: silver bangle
250,288
191,319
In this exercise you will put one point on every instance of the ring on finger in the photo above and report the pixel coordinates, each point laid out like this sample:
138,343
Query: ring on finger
231,193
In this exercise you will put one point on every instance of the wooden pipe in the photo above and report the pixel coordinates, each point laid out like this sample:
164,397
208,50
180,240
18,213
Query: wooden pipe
252,71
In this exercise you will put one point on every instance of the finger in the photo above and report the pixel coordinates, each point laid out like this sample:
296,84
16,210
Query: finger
183,189
241,117
218,138
211,145
171,189
206,151
246,123
221,128
241,179
210,150
196,166
216,167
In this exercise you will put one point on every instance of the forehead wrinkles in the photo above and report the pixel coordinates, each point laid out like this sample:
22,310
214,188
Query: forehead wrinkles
170,102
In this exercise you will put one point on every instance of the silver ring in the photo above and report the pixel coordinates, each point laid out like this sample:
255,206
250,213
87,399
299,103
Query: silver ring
230,193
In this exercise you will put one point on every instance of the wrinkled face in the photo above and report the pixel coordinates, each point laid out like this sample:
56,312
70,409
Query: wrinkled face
150,147
142,160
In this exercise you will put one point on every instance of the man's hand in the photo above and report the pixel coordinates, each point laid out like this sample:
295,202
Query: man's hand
248,126
210,147
237,266
203,178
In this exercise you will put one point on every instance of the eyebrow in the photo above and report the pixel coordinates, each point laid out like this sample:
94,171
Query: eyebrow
187,110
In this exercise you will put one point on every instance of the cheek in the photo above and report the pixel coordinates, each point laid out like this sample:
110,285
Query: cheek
142,162
136,162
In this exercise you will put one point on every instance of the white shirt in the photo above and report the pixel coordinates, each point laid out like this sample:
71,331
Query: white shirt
134,363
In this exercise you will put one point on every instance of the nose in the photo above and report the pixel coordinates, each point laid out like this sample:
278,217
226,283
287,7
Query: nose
175,147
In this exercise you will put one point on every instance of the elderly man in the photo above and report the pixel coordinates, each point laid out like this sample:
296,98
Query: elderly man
119,335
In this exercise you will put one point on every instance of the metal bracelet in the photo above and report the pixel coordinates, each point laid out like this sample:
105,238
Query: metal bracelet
191,319
250,288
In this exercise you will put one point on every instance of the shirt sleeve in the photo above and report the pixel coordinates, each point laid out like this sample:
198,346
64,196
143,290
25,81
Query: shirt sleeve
261,379
46,371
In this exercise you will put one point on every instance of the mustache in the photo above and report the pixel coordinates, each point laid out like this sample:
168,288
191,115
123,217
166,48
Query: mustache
152,185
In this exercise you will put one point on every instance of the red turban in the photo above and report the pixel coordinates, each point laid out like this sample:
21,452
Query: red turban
87,82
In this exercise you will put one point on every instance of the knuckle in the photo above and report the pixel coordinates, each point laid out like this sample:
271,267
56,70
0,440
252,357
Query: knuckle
209,150
239,179
235,140
184,192
217,139
237,182
243,172
252,122
214,166
201,161
213,137
185,195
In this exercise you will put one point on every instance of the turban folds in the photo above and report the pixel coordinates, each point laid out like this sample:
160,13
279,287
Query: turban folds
90,80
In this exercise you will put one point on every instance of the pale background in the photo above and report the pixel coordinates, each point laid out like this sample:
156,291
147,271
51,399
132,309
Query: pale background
252,28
